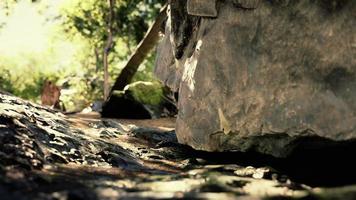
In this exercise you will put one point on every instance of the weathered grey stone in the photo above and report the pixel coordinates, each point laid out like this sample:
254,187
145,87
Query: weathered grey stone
263,75
247,4
206,8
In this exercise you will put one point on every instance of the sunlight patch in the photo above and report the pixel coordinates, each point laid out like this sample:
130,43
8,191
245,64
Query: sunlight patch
190,67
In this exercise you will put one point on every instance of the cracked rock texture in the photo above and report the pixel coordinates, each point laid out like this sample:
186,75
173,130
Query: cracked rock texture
45,155
261,75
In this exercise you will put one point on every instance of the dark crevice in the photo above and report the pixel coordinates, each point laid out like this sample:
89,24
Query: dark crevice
314,161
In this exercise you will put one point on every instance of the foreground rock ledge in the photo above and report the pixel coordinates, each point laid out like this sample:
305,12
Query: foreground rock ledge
45,155
257,75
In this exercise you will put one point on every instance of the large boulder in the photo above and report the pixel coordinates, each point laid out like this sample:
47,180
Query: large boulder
258,75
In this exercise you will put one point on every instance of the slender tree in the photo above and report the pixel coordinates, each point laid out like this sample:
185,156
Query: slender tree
141,52
108,47
103,23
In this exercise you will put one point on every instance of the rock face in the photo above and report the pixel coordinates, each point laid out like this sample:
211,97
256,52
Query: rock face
262,76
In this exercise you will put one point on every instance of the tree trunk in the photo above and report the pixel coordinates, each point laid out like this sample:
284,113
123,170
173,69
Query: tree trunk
106,74
107,49
98,61
145,46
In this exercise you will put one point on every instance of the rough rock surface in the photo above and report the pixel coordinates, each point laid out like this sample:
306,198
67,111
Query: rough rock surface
261,75
45,155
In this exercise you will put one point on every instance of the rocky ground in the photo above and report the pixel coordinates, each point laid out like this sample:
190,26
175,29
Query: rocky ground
47,155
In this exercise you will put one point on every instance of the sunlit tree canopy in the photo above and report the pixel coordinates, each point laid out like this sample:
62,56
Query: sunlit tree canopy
63,40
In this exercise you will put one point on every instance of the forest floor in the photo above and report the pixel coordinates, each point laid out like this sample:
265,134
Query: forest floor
47,155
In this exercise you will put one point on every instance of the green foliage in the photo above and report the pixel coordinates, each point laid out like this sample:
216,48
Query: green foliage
5,81
79,90
30,89
26,87
6,6
149,93
64,43
89,19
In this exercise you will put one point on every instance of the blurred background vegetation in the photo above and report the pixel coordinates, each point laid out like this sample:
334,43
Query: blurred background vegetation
63,41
